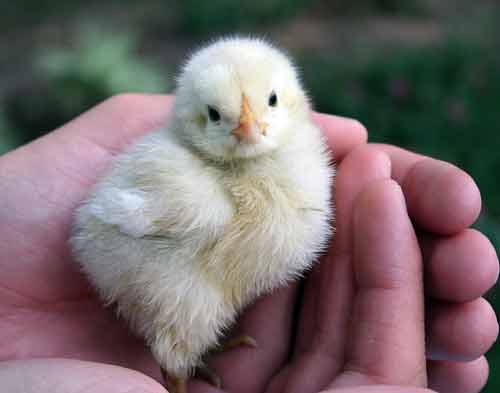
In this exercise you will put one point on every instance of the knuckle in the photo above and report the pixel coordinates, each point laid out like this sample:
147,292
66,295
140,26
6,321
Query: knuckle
372,153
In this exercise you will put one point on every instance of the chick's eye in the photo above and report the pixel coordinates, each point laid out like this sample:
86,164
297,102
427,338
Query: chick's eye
273,99
213,114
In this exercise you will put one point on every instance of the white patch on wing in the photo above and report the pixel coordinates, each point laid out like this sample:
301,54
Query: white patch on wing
122,208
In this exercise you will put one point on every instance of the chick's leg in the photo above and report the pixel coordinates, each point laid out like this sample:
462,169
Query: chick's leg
173,383
209,374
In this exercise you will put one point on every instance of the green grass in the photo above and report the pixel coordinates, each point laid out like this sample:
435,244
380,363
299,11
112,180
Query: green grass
95,65
228,16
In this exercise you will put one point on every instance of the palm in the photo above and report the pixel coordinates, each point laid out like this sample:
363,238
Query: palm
67,327
51,312
48,310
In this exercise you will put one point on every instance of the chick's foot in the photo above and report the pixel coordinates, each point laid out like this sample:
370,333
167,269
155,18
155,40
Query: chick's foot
174,384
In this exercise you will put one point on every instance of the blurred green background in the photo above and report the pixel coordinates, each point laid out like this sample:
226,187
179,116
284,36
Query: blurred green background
421,74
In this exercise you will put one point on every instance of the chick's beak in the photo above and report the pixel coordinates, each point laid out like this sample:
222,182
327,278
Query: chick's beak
248,129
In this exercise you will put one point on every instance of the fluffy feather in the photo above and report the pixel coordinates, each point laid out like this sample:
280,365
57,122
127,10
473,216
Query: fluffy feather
191,224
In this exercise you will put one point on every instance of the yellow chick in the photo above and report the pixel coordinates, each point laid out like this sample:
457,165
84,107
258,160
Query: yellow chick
228,201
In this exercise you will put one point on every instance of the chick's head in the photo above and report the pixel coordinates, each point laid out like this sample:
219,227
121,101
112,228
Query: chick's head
238,98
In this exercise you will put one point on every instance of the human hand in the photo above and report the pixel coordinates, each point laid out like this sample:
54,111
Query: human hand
47,307
460,265
50,312
363,330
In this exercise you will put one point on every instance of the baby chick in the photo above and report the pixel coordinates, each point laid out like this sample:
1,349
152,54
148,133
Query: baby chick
226,202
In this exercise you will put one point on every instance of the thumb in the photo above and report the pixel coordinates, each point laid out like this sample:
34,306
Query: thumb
72,376
387,331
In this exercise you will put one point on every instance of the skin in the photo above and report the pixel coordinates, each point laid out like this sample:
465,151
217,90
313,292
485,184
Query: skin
361,324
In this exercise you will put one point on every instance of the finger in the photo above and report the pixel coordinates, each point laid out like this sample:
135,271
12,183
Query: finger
459,268
323,321
441,198
387,329
460,332
66,375
268,321
453,377
363,166
342,134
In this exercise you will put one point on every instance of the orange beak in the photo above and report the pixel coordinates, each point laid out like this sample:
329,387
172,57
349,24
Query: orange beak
248,126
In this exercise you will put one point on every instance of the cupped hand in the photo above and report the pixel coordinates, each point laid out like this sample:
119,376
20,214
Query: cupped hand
48,311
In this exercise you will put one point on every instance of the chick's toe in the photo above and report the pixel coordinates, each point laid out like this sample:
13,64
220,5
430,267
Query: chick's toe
238,341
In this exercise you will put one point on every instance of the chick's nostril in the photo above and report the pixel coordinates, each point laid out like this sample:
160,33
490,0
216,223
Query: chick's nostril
263,128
